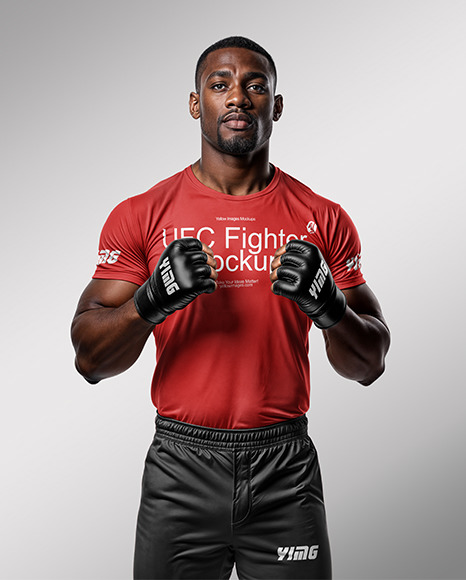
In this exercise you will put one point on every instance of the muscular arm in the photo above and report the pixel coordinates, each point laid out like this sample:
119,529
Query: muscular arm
107,332
115,318
357,345
356,335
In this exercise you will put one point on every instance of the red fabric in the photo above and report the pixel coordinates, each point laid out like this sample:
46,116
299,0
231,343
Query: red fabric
237,358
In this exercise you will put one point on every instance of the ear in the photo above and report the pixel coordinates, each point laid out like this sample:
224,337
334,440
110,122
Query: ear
277,107
194,105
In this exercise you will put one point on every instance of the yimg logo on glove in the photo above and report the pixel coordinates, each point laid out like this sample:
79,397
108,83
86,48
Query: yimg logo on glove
319,280
168,278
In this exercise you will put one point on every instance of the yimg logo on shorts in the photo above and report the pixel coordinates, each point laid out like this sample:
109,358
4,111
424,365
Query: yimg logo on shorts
298,553
168,278
319,280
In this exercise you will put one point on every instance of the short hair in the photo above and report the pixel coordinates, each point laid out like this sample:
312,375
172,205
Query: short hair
232,42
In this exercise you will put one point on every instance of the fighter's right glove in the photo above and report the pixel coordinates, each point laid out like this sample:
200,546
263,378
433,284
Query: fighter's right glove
182,273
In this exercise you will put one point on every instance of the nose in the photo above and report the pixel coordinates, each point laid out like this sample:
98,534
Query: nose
238,97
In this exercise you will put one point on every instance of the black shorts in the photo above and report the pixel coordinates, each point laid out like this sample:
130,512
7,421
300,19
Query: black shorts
212,498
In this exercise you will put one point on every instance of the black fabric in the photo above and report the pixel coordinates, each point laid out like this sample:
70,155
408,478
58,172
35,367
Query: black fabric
214,497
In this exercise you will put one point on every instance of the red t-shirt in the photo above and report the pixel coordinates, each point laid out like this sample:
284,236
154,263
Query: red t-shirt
237,358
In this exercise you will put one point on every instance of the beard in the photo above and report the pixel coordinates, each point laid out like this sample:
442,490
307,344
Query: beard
237,145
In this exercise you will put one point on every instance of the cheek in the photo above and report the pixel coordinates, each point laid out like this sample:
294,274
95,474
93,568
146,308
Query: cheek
209,115
208,125
266,124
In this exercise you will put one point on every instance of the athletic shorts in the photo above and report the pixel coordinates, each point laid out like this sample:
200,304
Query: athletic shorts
214,498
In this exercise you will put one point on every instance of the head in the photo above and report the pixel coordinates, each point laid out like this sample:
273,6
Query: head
235,96
233,42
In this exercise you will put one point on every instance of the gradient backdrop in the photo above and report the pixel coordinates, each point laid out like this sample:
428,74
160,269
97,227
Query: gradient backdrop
94,109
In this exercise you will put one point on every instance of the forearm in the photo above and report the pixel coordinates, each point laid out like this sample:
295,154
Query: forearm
357,346
108,341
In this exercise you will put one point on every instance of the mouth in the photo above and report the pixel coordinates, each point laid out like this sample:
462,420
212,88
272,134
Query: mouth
238,121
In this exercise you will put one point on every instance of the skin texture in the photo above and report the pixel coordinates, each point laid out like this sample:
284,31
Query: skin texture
229,86
357,345
107,332
237,107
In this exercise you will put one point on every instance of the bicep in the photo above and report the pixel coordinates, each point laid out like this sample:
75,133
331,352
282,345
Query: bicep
363,301
105,294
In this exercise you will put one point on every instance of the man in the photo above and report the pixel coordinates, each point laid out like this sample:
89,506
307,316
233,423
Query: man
232,475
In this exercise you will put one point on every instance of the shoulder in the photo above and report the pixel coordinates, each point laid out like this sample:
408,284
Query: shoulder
327,217
315,201
157,193
142,206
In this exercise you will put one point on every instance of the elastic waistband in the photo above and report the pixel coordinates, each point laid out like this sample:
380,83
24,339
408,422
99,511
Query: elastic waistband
231,438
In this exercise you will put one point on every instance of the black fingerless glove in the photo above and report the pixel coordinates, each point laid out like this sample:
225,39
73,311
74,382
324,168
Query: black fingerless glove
305,277
180,276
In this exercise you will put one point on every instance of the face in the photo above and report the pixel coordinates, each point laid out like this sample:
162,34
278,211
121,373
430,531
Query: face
236,102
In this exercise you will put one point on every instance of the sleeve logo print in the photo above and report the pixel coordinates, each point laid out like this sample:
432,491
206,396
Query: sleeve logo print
354,263
108,257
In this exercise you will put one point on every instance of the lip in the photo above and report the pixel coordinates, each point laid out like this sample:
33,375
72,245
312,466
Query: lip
238,121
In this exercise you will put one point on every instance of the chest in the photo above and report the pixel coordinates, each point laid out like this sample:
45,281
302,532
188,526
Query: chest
243,236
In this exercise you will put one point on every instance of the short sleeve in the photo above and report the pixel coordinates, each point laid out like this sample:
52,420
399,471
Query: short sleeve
344,251
121,248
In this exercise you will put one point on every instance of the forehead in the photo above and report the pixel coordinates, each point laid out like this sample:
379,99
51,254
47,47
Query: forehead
236,60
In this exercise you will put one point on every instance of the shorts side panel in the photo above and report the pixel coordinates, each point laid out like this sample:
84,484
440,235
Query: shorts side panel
184,520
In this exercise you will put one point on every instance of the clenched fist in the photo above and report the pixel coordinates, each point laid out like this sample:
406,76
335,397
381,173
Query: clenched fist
300,273
186,269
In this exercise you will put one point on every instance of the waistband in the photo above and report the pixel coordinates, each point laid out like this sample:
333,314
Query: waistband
231,438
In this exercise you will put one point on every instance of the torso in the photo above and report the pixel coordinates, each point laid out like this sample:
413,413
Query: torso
237,358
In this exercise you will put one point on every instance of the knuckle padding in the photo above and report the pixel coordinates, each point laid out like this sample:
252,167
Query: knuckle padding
283,288
188,243
288,274
206,285
198,257
300,246
291,259
202,271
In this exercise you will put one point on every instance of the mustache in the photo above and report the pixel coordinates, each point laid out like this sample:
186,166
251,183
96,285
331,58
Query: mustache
221,119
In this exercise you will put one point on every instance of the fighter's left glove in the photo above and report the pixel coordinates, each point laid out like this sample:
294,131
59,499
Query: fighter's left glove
300,273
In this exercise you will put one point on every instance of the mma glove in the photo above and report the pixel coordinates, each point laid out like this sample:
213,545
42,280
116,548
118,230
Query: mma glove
180,276
305,277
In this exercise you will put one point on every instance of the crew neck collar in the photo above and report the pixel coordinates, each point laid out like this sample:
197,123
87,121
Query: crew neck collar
234,198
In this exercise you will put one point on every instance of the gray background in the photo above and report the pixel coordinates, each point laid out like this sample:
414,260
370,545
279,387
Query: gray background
94,109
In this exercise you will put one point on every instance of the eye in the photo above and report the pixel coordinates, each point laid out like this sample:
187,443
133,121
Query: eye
257,88
218,86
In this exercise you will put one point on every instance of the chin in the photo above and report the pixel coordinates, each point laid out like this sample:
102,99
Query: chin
238,145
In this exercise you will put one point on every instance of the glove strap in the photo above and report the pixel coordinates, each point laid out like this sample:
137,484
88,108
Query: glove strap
333,310
145,302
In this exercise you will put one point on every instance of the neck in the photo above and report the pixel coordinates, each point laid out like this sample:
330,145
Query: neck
234,174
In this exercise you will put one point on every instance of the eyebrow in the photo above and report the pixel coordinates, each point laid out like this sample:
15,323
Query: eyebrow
248,76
